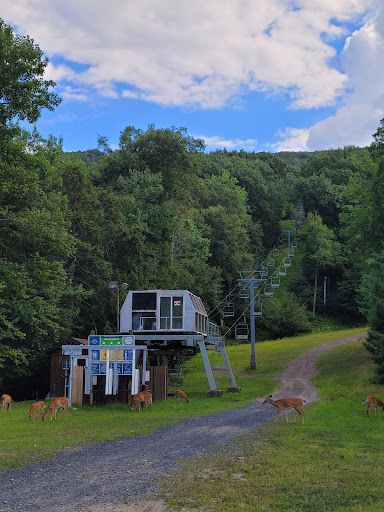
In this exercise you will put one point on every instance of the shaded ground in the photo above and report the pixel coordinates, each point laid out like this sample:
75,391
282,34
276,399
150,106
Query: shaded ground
98,478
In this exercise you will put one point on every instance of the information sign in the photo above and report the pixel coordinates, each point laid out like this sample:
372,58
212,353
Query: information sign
110,340
95,368
101,368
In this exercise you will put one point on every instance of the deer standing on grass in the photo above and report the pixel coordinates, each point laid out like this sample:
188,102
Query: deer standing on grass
38,406
286,403
62,402
6,402
143,396
182,395
373,401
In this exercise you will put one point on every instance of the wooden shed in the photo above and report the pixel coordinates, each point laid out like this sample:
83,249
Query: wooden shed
58,364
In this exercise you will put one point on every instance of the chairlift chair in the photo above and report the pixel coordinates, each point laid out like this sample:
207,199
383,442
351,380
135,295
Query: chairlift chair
276,251
282,270
242,330
258,307
228,309
268,289
270,262
287,262
244,291
275,282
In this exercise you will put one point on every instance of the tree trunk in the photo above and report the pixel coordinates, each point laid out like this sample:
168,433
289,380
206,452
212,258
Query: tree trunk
314,296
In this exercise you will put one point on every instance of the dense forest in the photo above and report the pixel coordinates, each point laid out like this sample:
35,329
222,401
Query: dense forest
161,212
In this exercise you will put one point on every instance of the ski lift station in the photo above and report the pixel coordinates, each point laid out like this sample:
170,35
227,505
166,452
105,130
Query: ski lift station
160,322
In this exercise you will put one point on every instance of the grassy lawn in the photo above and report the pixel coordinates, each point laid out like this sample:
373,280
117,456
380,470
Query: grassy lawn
23,441
334,463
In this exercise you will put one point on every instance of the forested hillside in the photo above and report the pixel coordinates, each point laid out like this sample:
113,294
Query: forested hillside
160,212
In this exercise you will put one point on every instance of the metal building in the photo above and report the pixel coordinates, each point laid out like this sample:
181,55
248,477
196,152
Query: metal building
163,319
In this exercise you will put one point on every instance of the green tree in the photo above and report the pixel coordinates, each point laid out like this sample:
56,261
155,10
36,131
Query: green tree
323,251
373,307
284,316
23,90
377,146
38,301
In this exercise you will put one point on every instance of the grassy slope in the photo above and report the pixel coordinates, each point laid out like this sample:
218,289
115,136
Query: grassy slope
332,463
23,441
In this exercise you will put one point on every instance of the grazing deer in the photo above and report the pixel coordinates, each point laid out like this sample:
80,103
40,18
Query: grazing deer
373,401
38,406
6,402
143,396
286,403
54,405
182,395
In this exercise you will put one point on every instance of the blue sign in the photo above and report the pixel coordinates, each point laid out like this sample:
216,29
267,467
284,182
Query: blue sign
95,355
127,355
127,369
94,340
95,368
64,365
101,368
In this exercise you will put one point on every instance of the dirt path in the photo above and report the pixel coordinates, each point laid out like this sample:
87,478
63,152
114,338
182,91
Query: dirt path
97,478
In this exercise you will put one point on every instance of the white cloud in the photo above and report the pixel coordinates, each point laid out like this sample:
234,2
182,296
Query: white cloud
200,54
72,94
293,139
235,144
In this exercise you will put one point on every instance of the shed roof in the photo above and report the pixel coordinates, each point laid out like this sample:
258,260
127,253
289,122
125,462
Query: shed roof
68,341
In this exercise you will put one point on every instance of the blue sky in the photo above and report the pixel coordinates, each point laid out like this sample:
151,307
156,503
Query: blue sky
259,75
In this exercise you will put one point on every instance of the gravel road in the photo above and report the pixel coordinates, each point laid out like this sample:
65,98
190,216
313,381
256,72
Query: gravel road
94,478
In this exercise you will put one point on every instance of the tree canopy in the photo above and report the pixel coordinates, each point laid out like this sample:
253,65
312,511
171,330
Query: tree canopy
23,90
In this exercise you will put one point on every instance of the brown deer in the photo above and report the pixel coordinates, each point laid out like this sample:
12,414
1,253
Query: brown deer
62,402
143,396
373,401
38,406
6,402
182,395
286,403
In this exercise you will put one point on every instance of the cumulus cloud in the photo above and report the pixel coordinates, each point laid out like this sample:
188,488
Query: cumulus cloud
216,142
200,54
358,117
208,55
292,139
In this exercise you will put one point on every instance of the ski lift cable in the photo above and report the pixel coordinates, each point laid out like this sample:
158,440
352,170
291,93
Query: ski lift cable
238,285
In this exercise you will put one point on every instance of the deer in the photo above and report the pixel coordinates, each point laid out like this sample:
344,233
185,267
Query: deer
373,401
38,406
286,403
143,396
62,402
182,395
6,402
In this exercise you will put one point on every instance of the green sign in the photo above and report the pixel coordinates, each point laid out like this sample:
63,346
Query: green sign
111,340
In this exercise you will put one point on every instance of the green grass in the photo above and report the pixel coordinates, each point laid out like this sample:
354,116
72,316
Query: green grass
23,441
334,463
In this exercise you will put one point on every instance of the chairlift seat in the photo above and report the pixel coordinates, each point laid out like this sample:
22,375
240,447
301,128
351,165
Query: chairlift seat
229,309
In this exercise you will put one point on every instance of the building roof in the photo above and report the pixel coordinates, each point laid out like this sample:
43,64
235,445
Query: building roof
68,341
